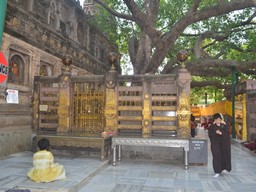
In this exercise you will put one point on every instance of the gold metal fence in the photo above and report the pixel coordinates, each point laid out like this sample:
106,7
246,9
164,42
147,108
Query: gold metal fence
88,108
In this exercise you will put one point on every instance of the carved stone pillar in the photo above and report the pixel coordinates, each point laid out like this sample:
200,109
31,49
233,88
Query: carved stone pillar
146,112
183,109
36,102
64,97
111,95
244,112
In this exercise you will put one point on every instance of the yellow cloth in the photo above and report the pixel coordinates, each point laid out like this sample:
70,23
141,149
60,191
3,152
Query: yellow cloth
45,170
224,107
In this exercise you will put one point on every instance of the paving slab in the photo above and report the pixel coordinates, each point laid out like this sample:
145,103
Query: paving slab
78,170
85,174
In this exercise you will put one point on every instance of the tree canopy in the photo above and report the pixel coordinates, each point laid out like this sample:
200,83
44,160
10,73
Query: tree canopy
217,34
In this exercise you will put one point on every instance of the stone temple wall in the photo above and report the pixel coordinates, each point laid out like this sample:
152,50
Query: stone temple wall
15,131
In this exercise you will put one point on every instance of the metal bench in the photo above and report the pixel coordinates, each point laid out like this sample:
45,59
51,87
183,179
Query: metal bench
118,142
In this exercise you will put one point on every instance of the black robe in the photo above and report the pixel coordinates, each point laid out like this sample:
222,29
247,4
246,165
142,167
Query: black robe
220,147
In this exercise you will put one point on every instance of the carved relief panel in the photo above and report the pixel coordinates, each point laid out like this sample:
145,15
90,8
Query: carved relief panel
45,69
53,15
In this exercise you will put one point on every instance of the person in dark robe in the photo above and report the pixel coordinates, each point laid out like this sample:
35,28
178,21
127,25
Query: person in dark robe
220,145
193,125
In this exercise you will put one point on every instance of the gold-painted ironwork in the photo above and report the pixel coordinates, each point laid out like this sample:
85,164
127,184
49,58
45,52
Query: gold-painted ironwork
111,110
164,106
240,117
146,115
149,106
244,133
35,110
88,108
129,108
63,111
183,132
183,113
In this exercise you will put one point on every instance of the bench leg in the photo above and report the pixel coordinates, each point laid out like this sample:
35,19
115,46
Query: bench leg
119,152
108,150
114,156
186,159
102,153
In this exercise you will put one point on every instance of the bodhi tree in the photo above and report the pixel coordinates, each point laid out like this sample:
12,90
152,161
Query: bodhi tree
217,34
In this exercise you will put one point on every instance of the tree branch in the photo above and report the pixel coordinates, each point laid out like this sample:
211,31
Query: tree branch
194,7
222,8
113,12
169,67
221,68
249,20
213,83
145,22
198,50
170,37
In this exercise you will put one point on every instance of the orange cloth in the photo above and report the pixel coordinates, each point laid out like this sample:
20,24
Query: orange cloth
224,107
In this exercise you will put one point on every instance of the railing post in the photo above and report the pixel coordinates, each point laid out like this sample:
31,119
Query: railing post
146,111
64,97
36,89
244,130
183,108
111,79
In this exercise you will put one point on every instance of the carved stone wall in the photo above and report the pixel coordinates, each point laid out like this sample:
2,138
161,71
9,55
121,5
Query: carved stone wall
30,60
59,27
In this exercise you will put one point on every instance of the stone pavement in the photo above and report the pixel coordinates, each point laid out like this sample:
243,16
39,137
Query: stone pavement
79,169
91,175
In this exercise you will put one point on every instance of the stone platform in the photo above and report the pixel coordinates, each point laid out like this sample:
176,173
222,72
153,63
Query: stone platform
76,142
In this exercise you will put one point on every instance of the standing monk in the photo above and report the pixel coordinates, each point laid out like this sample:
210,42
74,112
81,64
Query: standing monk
220,145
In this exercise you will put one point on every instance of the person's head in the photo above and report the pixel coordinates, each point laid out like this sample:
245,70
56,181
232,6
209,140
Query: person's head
217,118
43,144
